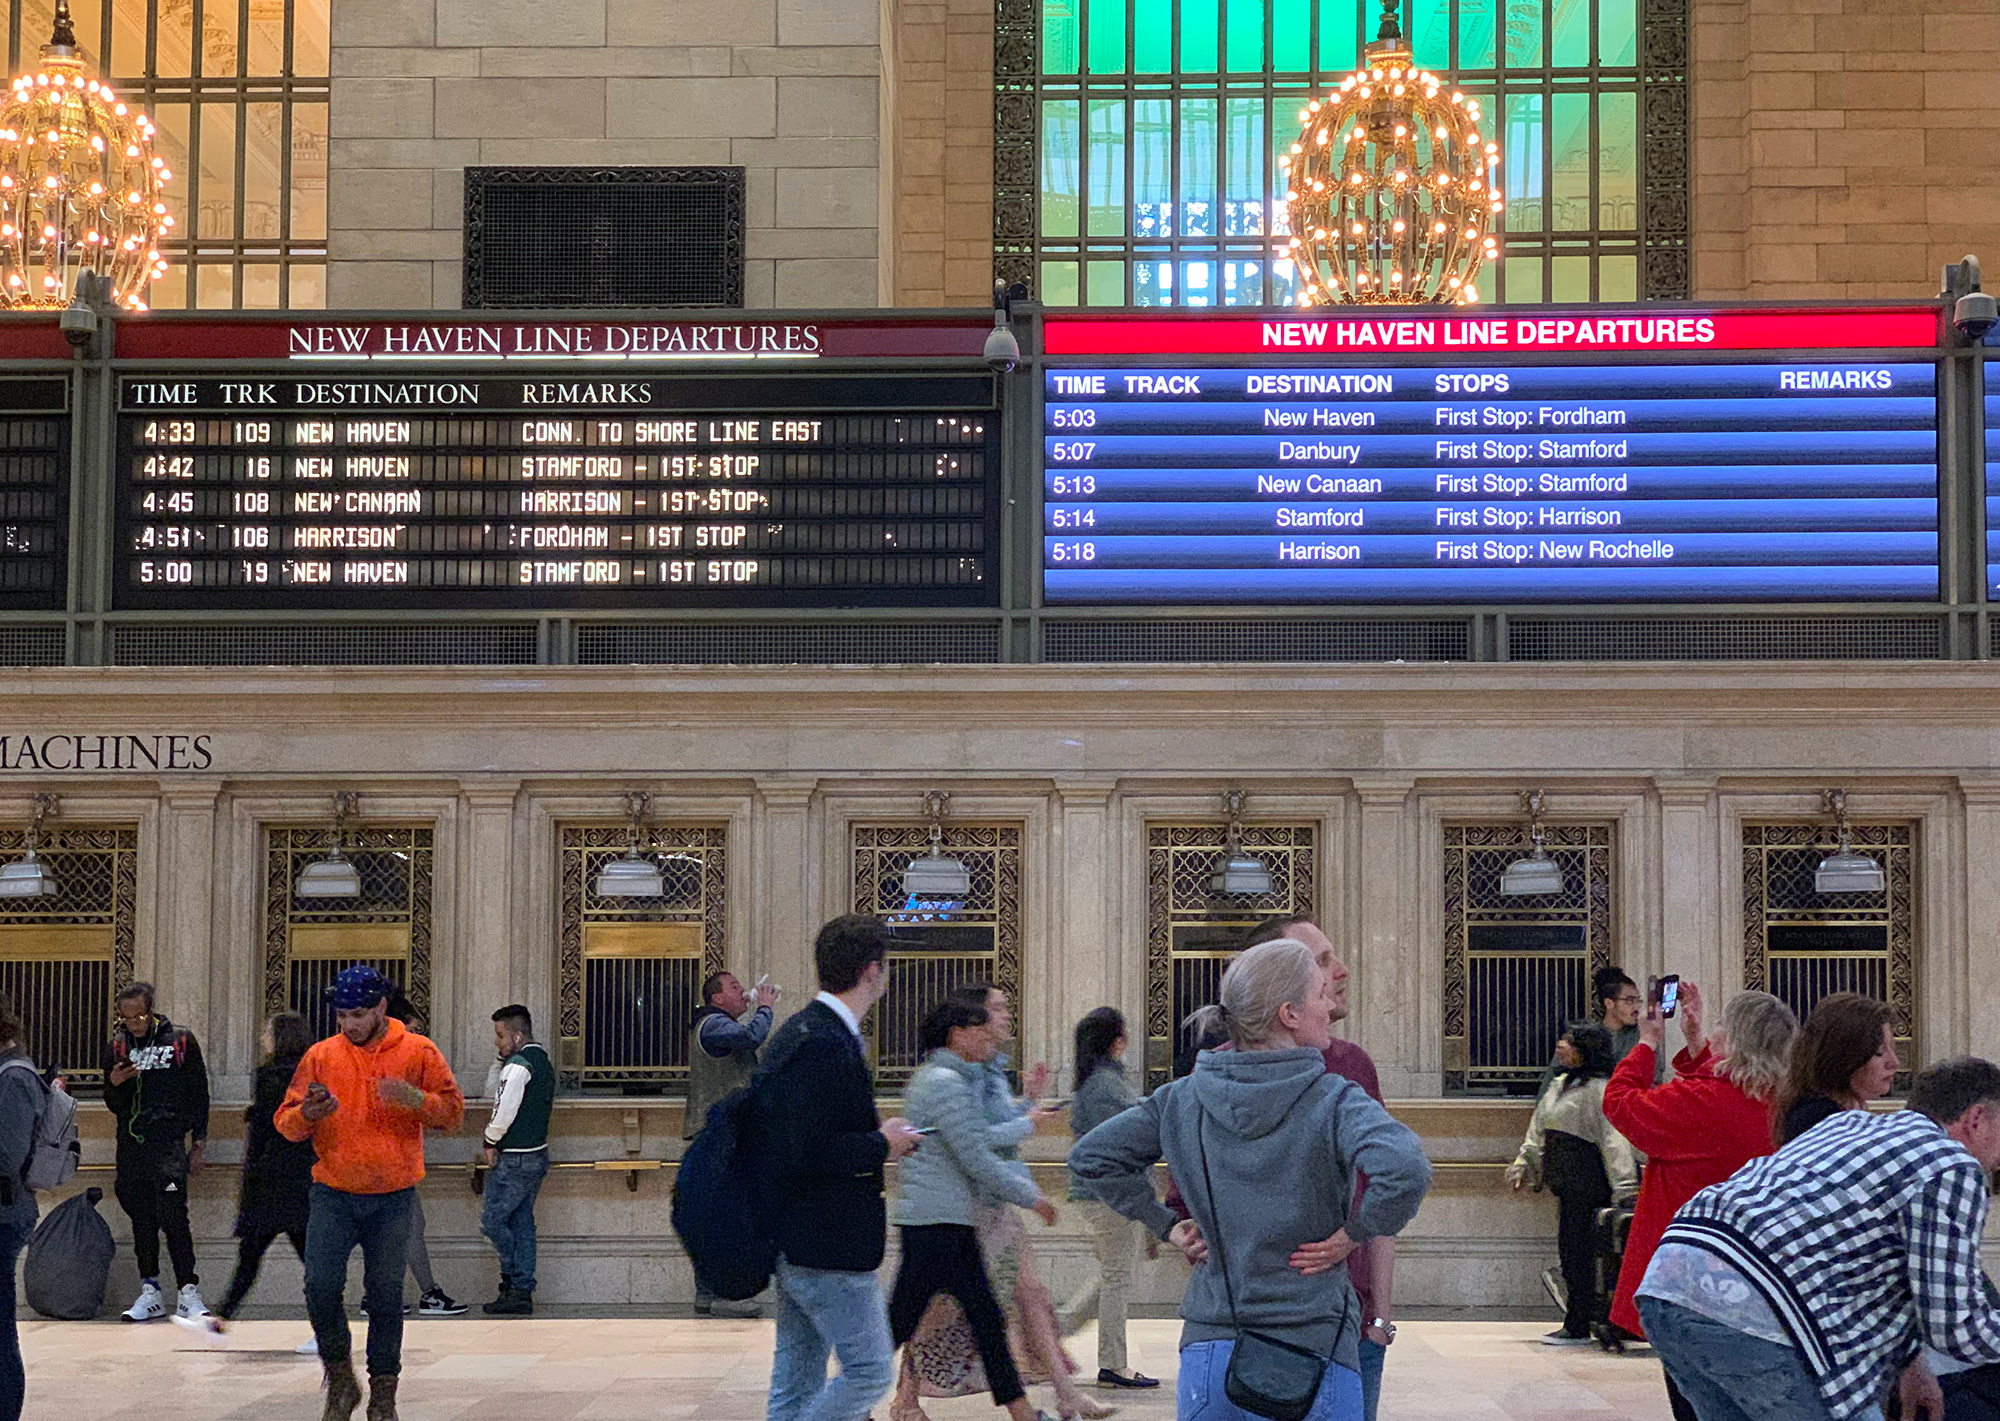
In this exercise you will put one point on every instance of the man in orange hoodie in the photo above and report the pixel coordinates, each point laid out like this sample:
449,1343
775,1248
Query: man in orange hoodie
364,1098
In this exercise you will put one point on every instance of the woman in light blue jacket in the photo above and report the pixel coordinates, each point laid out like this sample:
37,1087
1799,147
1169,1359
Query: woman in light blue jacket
940,1187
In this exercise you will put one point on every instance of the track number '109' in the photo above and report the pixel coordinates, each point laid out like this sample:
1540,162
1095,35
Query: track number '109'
1077,453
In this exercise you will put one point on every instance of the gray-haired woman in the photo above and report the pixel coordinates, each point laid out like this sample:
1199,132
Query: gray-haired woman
1264,1144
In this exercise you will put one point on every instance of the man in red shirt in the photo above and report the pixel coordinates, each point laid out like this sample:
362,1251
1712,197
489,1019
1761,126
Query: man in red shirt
1372,1268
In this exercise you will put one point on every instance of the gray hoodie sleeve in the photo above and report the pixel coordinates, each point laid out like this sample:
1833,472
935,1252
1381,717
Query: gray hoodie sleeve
1114,1158
962,1129
1374,1142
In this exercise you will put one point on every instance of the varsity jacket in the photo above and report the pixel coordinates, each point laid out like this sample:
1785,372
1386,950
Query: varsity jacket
1863,1236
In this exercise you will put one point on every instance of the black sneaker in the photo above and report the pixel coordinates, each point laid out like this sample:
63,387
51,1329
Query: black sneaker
438,1303
512,1304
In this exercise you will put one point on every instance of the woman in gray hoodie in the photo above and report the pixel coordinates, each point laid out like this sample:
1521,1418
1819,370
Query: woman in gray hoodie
1265,1130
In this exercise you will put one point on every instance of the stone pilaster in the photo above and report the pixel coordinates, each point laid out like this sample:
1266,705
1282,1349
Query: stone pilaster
784,898
1384,1001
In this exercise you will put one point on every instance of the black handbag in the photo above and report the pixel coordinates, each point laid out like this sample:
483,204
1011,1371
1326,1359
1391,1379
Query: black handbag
1267,1376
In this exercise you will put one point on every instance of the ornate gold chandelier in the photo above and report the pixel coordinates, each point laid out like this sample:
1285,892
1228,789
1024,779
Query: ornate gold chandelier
81,189
1392,190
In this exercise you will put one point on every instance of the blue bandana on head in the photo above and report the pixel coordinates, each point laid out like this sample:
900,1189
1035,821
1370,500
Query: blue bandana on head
358,987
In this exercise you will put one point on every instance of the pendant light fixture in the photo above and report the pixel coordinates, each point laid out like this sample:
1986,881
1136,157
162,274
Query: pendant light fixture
1537,874
333,876
1846,869
631,876
28,876
1243,874
932,877
1392,191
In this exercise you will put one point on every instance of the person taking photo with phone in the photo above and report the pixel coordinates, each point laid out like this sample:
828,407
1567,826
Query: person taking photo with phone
1713,1118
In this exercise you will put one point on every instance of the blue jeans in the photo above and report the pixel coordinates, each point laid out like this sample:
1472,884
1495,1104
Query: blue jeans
507,1215
13,1377
1373,1354
1728,1375
1200,1394
822,1312
380,1224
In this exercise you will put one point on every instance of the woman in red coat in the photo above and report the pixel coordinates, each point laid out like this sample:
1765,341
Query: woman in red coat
1713,1118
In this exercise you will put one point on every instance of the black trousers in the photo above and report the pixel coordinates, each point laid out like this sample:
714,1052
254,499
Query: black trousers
1575,1172
945,1258
249,1258
156,1202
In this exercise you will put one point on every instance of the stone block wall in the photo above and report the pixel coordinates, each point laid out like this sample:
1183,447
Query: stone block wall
1843,148
789,90
943,85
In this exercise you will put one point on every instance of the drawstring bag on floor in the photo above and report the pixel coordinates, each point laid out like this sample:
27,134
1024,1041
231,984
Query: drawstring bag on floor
69,1260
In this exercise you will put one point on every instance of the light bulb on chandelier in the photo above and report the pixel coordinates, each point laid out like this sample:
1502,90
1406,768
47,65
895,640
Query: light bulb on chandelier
1401,209
81,190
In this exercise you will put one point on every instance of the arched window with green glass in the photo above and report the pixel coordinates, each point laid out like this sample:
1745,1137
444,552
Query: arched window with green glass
1136,140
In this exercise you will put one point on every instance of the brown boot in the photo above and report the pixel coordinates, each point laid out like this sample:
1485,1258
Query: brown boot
343,1391
381,1398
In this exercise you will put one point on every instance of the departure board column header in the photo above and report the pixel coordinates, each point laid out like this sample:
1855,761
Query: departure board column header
1389,330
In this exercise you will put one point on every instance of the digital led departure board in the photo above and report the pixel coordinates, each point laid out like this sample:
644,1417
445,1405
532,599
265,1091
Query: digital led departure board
601,489
1991,396
1402,480
34,493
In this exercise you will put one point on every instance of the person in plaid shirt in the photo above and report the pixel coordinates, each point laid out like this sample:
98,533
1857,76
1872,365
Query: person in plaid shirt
1805,1286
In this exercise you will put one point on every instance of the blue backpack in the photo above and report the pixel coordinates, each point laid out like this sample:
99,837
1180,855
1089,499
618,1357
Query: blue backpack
715,1211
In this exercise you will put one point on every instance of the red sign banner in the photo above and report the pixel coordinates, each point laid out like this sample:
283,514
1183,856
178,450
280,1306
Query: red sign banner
1350,332
450,338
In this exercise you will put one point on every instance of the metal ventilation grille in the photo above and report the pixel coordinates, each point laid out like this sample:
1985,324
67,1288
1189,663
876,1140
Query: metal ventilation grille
333,645
1191,640
31,646
1726,639
597,237
755,644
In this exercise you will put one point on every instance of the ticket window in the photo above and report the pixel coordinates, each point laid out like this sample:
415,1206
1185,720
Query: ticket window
62,956
1193,932
1517,970
1801,945
310,941
937,944
630,969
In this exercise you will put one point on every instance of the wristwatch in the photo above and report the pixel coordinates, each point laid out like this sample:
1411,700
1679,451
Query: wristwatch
1387,1327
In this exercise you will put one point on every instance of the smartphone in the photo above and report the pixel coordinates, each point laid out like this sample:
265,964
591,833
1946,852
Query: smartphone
1666,995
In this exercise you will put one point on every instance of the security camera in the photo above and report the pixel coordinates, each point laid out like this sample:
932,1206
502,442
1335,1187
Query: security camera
79,324
1003,351
1975,314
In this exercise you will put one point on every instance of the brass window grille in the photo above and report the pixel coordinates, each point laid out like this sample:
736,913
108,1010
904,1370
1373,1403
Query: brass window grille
1192,932
943,944
630,969
1517,970
239,90
309,941
62,957
1801,945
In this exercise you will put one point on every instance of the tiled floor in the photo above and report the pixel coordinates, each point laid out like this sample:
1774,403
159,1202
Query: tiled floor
654,1370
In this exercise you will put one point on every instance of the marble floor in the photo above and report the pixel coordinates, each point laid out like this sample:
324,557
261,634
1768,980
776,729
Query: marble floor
654,1369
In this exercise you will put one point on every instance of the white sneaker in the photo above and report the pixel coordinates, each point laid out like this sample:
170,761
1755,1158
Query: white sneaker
308,1348
148,1307
191,1304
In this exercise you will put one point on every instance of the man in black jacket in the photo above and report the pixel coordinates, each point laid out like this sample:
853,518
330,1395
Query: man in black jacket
157,1086
819,1149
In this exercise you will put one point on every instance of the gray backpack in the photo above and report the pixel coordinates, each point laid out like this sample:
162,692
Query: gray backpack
56,1151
